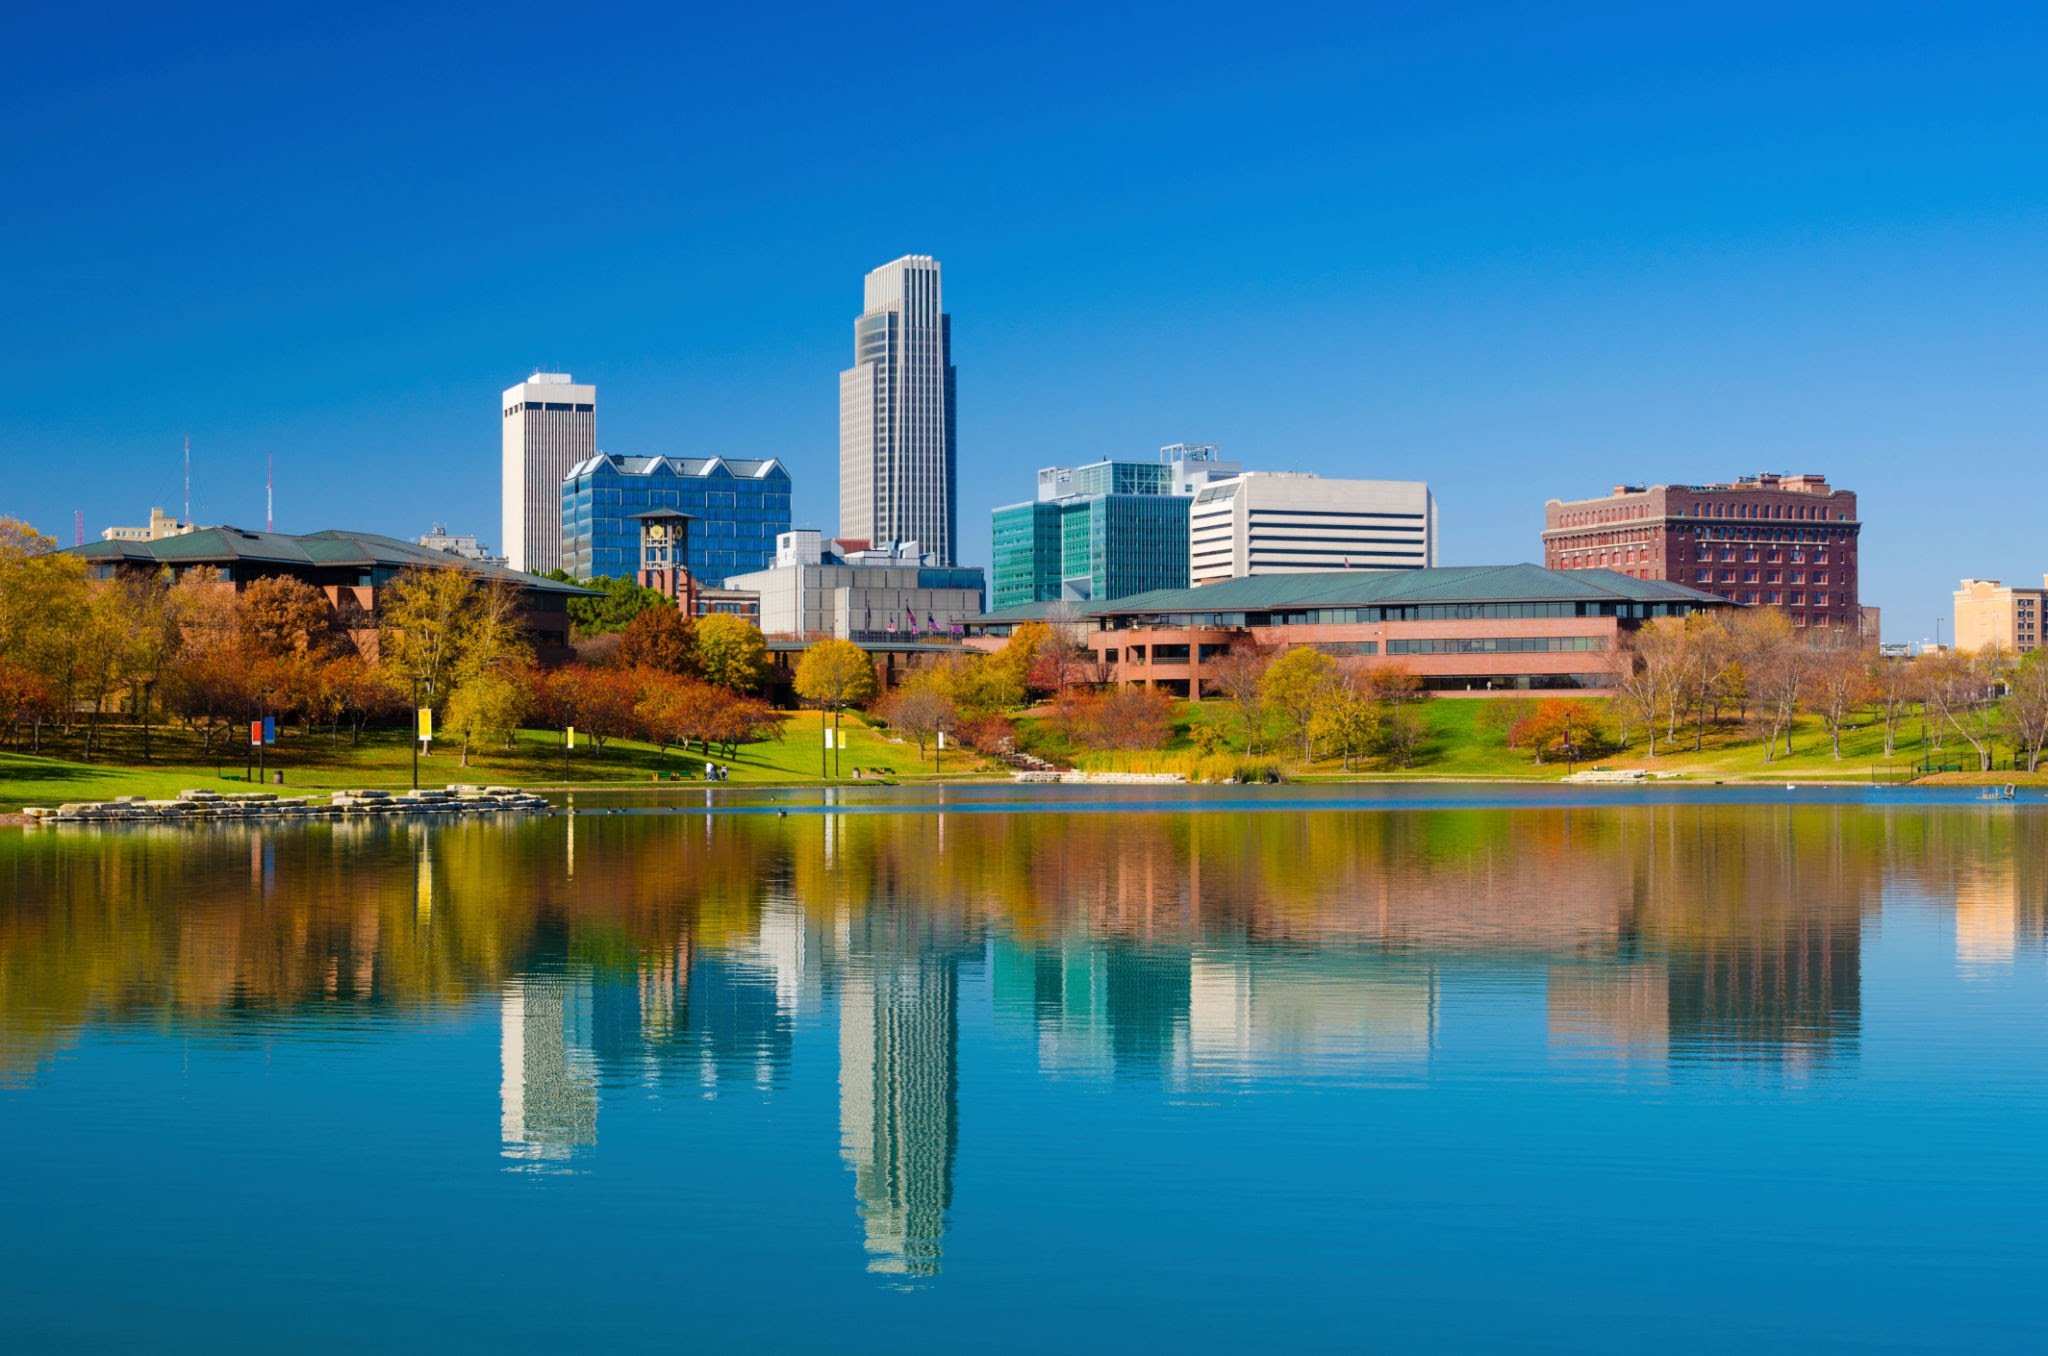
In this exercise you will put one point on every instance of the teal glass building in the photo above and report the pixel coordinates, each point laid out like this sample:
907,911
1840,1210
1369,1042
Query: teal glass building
738,506
1101,531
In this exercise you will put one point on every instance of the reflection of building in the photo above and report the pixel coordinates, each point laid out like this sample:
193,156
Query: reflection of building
1280,1011
547,1093
1619,1009
1792,993
899,1086
1988,913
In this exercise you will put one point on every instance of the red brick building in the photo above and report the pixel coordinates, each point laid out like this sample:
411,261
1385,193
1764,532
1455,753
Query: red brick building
1770,540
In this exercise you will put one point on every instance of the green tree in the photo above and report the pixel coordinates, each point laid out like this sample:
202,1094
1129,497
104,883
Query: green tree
732,653
1345,720
617,603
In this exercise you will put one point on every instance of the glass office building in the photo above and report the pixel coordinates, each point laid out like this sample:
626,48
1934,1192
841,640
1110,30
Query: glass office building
1101,531
738,508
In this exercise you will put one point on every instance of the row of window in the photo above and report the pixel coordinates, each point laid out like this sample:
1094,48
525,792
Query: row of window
1342,616
1498,645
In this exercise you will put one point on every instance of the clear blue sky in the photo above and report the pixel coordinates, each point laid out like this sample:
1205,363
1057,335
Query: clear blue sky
1518,251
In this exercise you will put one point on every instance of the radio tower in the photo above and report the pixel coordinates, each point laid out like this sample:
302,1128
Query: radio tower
188,480
78,527
269,476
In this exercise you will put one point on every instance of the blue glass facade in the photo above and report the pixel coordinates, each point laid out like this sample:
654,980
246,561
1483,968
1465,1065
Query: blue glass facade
738,506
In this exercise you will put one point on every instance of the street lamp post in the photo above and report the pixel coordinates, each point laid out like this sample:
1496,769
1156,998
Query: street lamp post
418,684
262,728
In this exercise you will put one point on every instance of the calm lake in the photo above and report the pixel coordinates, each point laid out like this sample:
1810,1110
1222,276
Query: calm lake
1036,1069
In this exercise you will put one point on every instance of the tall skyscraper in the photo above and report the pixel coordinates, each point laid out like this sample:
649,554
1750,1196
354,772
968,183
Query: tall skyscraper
896,445
550,425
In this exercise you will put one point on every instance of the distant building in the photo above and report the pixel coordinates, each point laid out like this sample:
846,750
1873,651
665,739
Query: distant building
1102,530
459,544
349,568
161,525
550,424
897,476
1270,522
1988,613
847,590
737,506
1495,628
1779,541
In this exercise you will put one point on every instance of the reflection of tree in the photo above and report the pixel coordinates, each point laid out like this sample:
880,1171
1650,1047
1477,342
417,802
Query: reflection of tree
697,929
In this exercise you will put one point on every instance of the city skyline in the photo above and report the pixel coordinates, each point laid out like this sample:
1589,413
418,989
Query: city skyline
1537,267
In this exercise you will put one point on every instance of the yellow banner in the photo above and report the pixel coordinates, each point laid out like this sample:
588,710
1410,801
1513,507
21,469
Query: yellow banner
426,723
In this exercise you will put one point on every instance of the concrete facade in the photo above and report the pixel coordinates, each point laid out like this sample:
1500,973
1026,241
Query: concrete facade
1989,613
1264,522
1769,540
857,594
897,475
550,424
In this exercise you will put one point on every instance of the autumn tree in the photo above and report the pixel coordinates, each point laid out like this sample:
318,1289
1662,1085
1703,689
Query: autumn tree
598,701
1294,685
1891,685
486,707
1961,690
209,682
1346,720
441,629
2025,715
731,652
1561,727
1237,675
282,616
1838,677
922,705
833,675
660,638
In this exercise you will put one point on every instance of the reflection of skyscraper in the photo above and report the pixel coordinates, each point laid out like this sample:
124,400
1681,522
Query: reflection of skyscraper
899,1034
1793,994
548,1079
1623,1010
1253,1011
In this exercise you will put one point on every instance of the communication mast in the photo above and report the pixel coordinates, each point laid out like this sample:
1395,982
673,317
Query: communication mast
188,478
269,476
78,527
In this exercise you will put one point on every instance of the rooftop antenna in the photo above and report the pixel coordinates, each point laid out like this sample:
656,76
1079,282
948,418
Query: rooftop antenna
78,527
269,479
188,480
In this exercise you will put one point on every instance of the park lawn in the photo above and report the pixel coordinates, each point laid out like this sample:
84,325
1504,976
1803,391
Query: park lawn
384,759
1467,738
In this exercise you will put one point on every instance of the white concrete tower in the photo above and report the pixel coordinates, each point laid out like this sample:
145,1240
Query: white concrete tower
550,425
896,423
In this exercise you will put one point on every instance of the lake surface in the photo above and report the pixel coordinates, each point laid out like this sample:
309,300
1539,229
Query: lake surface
1037,1070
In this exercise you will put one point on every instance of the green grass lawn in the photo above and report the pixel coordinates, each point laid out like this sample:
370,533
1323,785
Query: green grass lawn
1467,738
311,763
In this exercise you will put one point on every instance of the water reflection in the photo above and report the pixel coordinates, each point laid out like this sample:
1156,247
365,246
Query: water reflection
689,952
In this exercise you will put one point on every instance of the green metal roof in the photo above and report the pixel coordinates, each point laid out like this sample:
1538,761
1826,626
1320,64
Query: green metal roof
1376,588
364,550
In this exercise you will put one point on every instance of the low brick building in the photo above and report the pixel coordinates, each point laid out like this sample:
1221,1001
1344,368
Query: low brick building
1501,628
348,567
1779,541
